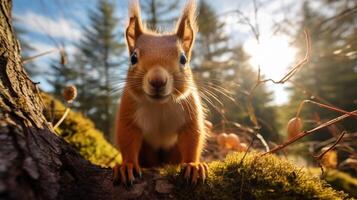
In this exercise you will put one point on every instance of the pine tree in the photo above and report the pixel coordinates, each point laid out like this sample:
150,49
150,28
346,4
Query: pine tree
99,52
159,13
59,76
205,62
331,73
240,80
211,42
221,69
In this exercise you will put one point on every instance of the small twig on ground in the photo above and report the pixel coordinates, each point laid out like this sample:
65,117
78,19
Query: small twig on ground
240,164
319,157
319,144
246,152
265,144
322,169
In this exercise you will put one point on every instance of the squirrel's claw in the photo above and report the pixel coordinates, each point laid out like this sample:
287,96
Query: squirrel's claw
192,172
202,171
125,174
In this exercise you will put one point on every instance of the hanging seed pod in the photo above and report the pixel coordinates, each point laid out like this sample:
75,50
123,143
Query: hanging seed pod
294,127
70,93
221,140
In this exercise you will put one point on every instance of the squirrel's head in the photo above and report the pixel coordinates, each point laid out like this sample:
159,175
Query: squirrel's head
160,68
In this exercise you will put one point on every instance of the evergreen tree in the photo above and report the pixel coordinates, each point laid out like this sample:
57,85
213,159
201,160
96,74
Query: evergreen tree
331,73
221,70
59,76
99,52
240,80
159,13
207,64
211,43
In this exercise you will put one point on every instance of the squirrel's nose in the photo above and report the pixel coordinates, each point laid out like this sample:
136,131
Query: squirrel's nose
158,83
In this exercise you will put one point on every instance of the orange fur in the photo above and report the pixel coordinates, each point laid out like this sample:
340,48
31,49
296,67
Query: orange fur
170,130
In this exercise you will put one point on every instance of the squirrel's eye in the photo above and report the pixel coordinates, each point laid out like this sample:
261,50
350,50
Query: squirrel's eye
183,59
133,59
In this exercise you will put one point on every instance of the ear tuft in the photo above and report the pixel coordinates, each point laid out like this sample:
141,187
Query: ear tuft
186,28
135,26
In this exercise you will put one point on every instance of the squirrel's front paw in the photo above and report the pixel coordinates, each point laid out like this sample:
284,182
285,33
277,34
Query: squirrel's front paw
194,170
124,173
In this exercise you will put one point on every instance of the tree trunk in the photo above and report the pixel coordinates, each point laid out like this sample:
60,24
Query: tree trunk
34,162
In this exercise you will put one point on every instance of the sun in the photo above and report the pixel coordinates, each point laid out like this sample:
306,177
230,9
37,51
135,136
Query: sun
273,55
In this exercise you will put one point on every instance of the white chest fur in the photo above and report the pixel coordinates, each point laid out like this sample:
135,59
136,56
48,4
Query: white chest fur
160,123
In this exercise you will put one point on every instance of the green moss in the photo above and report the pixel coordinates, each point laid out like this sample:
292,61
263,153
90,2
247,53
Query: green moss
339,180
267,177
82,135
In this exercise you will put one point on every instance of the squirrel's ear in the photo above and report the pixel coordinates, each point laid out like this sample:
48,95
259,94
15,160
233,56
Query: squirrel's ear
135,26
186,28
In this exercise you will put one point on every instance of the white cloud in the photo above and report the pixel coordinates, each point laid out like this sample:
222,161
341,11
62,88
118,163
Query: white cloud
56,28
71,50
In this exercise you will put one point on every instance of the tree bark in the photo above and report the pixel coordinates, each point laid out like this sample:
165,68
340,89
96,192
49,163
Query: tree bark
34,162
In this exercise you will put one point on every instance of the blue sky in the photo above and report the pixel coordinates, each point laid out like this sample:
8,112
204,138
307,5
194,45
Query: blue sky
47,21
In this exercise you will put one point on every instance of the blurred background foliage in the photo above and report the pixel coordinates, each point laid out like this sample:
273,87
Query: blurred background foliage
225,76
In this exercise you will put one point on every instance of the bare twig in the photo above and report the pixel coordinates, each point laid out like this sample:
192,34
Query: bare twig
246,151
265,144
30,59
287,76
305,133
319,144
340,15
318,157
323,106
298,66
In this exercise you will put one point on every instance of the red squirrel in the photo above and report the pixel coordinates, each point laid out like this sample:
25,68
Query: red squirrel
160,119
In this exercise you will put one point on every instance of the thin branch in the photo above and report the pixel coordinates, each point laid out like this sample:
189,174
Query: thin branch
324,106
305,133
340,15
290,73
293,70
319,157
300,64
30,59
265,144
246,151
